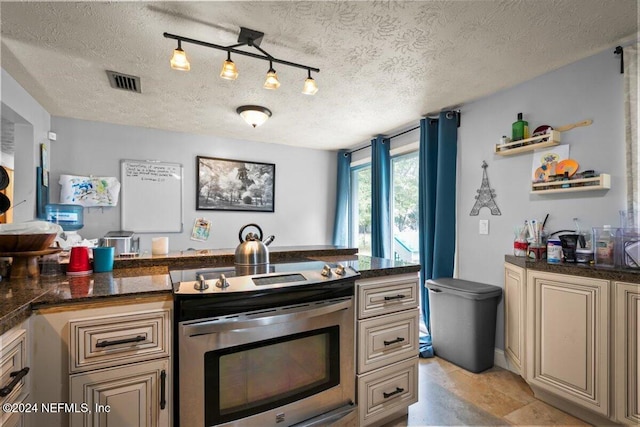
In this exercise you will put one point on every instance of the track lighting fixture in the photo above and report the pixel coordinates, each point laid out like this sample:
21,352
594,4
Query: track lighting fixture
179,59
229,71
255,115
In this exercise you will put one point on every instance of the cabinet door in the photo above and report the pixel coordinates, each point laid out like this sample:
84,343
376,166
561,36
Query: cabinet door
568,348
136,395
627,352
514,316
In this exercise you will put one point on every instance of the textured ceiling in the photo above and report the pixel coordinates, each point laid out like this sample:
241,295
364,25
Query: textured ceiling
383,64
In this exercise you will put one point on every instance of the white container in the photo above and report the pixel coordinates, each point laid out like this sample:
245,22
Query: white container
159,245
554,251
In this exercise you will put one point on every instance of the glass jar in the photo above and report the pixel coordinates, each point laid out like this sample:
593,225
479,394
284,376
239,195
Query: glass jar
520,247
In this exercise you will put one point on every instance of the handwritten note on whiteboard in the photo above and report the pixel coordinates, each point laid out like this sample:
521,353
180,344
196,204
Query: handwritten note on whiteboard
151,196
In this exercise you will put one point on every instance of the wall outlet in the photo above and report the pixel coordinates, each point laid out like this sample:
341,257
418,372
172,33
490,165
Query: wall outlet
483,227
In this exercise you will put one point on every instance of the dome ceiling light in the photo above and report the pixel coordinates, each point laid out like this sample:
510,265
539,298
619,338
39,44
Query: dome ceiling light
255,115
229,71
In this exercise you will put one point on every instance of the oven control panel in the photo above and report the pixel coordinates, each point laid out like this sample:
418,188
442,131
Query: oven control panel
234,279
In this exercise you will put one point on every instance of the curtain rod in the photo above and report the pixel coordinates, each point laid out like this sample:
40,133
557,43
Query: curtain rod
389,137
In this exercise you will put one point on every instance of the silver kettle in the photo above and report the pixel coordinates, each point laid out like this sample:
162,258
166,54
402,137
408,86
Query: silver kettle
252,250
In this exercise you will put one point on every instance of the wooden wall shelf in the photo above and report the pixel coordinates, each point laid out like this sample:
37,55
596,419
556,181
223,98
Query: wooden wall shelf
529,144
602,182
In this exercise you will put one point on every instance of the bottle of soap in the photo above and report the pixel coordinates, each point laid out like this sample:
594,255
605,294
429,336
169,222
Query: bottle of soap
519,129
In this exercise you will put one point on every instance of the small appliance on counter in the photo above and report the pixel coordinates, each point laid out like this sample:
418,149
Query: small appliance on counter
124,242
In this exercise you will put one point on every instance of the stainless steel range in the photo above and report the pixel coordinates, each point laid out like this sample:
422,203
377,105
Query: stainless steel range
271,349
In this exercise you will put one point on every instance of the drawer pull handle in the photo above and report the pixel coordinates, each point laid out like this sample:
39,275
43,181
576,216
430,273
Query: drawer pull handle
399,296
399,339
138,338
163,389
17,376
393,393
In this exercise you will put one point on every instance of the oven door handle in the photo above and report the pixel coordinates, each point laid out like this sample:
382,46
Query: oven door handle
264,319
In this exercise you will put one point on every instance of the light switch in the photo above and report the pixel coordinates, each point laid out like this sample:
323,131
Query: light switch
484,226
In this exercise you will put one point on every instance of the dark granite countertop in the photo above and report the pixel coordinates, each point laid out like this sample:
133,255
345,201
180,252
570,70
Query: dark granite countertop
576,269
225,257
19,297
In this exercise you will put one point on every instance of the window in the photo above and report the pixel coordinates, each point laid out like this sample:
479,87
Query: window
404,206
404,187
360,235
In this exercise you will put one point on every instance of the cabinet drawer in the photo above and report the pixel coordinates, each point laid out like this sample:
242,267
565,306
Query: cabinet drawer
15,419
101,342
387,390
388,339
13,360
389,295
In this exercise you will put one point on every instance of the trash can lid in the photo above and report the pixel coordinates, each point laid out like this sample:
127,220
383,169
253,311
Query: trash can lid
464,288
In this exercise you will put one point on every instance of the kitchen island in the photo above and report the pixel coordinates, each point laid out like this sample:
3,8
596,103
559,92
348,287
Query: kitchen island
147,276
79,334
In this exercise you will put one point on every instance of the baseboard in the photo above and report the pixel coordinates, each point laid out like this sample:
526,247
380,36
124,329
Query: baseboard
500,359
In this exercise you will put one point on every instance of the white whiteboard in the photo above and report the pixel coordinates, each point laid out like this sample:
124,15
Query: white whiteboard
151,196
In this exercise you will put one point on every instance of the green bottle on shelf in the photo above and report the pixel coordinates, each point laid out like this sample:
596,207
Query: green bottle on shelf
519,129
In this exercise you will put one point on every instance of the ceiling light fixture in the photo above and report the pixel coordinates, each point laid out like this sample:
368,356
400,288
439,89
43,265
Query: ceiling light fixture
310,86
179,59
229,71
255,115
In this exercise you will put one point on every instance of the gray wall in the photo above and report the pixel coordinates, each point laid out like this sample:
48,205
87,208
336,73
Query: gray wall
589,89
304,190
32,123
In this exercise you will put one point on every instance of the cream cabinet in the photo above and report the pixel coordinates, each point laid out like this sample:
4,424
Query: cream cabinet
131,395
110,360
581,342
568,334
14,376
627,352
387,347
515,297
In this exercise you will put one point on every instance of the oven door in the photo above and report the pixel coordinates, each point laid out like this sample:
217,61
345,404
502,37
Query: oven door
281,366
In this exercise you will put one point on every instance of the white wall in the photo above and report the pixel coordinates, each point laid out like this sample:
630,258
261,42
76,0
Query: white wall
304,191
588,89
32,123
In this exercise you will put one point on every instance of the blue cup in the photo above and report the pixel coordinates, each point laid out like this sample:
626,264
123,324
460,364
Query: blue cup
103,259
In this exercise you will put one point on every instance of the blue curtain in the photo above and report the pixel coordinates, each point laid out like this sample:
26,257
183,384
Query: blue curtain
437,205
343,188
380,193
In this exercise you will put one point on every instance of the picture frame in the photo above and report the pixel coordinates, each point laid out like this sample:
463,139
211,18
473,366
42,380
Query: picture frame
234,185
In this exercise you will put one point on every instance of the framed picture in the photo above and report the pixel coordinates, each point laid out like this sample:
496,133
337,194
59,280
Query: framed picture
235,185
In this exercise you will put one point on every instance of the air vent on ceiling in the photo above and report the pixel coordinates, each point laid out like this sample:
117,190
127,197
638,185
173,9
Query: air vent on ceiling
124,81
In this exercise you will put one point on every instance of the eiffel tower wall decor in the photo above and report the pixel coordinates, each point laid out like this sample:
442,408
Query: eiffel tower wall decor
486,195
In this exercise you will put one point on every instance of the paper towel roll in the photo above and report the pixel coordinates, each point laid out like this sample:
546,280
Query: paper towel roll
159,245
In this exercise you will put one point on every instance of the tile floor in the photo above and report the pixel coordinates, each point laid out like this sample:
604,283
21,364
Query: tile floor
451,396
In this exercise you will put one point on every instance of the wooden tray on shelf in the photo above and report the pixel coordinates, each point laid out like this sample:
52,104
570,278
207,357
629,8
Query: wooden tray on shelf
529,144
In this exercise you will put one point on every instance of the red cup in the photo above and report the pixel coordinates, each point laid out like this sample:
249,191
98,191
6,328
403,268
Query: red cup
79,260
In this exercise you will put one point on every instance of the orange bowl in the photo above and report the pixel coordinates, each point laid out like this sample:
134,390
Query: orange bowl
26,242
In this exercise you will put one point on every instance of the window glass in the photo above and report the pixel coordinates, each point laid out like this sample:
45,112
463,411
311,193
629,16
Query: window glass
360,235
404,185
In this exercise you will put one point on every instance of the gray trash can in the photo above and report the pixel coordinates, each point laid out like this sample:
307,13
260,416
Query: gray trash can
463,321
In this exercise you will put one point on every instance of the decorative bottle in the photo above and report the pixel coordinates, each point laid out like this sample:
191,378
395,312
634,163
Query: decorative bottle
519,129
